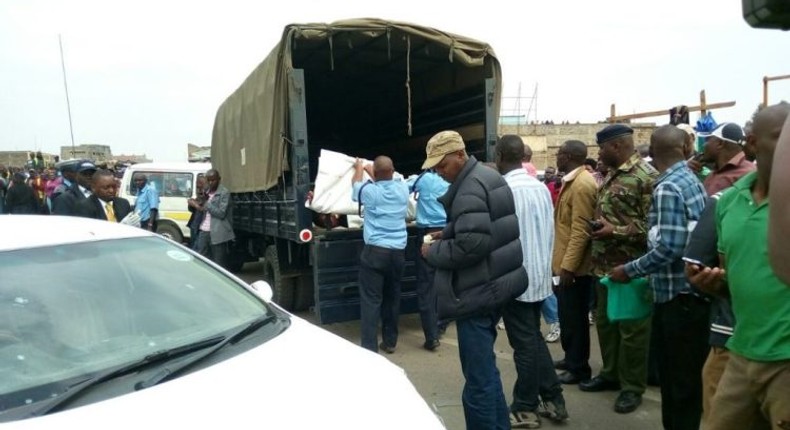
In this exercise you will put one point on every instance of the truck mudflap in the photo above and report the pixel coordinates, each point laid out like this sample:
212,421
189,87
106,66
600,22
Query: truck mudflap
336,274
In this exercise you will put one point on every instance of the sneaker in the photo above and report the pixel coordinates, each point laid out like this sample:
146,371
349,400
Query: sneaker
524,420
554,333
386,348
554,410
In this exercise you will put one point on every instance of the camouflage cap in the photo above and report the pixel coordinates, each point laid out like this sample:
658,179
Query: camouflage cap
441,144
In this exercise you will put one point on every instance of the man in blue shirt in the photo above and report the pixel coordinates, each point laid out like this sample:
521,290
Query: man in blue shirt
680,320
431,218
383,256
147,204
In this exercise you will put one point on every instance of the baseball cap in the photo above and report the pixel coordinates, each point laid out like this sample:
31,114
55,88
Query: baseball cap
728,132
441,144
85,166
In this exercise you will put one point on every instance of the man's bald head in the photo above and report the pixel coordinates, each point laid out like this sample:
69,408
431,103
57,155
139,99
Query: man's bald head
667,146
765,133
383,167
527,153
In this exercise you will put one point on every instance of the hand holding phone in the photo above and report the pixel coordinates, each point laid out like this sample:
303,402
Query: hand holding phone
594,225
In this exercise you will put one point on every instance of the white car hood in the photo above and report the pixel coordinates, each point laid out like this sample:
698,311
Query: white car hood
304,378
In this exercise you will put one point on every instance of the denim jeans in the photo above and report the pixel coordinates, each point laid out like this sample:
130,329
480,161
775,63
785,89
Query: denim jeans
549,310
534,366
380,272
484,402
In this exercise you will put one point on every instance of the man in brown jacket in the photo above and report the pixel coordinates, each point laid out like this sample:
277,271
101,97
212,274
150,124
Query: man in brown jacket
571,260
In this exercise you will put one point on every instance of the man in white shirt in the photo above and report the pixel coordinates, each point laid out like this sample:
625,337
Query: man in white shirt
534,367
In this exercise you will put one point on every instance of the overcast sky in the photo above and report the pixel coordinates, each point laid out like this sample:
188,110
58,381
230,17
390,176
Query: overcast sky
148,76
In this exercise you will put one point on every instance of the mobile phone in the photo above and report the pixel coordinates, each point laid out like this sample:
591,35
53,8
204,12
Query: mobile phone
594,225
690,260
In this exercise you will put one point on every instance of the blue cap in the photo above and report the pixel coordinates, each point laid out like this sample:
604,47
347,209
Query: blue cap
611,132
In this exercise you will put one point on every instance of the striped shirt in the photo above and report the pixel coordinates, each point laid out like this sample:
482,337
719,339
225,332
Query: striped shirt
678,201
535,214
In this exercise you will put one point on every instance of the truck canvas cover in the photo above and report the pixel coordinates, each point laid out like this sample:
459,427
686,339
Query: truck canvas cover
380,85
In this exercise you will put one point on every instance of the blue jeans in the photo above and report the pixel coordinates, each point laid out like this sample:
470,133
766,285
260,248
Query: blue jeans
484,402
549,310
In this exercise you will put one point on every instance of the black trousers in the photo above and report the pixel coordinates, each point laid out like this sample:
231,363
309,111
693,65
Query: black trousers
535,375
574,304
380,272
680,329
426,293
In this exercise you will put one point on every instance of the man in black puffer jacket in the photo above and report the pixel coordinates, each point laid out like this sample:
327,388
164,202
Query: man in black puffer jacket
479,269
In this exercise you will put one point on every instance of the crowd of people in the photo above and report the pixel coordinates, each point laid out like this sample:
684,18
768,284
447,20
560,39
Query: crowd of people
687,226
81,188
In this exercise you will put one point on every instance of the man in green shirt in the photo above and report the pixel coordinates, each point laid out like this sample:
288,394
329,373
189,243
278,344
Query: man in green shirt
755,389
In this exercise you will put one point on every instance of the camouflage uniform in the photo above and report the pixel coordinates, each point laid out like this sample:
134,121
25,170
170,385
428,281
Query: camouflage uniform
623,200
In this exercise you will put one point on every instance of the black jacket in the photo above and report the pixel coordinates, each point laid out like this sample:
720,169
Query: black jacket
64,203
93,208
703,247
478,260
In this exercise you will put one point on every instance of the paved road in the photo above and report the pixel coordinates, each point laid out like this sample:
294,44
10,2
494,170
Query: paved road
437,376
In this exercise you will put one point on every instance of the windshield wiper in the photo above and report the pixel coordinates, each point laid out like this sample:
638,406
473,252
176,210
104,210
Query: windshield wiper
213,343
61,400
167,372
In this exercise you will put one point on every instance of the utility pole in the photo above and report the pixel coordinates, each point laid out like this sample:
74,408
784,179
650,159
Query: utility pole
68,103
767,79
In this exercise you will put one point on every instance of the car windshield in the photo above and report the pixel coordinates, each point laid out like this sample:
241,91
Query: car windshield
71,311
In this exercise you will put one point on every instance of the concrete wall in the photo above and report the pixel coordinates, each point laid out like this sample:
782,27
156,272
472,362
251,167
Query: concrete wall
97,153
545,139
20,158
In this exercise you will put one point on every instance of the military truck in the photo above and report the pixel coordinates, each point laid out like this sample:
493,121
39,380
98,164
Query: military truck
363,87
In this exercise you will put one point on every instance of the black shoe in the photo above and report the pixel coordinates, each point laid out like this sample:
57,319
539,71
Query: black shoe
561,365
431,345
386,348
569,378
599,384
627,402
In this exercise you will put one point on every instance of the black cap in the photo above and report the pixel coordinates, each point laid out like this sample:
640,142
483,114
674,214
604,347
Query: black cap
612,131
68,165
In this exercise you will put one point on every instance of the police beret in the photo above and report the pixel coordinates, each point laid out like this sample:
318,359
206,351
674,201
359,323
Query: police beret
611,132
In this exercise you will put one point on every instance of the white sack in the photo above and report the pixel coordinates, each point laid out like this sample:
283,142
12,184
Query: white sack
333,187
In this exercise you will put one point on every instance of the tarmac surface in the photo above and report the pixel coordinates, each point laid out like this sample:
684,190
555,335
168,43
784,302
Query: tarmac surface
437,375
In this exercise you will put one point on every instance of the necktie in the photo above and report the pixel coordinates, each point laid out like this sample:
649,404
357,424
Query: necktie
110,212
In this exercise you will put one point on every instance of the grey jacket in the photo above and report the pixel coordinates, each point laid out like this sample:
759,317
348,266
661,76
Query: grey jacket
478,259
221,211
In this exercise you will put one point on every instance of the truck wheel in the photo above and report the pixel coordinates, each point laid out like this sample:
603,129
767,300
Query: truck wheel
303,296
282,288
170,231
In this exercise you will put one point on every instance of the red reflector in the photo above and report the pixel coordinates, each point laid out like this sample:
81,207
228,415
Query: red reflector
305,235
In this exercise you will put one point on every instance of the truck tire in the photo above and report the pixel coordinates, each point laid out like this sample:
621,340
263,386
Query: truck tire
304,293
282,287
170,231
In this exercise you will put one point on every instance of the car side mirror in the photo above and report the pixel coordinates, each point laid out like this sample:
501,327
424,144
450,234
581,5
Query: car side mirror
263,289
